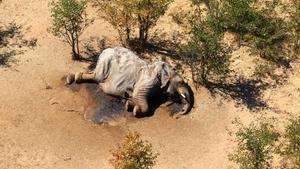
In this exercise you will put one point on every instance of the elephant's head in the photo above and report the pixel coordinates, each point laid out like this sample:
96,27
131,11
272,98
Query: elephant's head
180,92
177,89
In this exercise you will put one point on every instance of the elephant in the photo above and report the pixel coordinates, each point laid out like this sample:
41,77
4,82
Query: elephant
121,73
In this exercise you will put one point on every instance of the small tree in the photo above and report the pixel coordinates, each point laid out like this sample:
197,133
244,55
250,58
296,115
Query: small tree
119,14
68,22
148,12
133,153
126,16
206,54
255,144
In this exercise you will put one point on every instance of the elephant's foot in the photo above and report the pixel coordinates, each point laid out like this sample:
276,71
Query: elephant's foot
70,79
141,110
129,105
77,77
136,111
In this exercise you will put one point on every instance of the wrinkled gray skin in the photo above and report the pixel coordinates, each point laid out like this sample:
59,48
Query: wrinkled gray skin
121,73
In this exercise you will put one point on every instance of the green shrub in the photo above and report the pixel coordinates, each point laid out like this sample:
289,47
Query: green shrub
212,5
255,28
69,21
292,146
133,153
206,54
255,144
296,27
127,16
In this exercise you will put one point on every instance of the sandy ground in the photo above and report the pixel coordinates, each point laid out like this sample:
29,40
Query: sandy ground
42,122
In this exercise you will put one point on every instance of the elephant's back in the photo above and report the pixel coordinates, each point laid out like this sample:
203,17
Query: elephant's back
125,58
119,67
118,58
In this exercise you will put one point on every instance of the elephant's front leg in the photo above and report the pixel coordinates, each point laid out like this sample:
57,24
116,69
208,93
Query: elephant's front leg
140,102
141,95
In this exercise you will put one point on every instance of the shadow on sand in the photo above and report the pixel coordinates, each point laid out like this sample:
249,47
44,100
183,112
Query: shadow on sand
104,108
12,43
92,48
247,92
107,108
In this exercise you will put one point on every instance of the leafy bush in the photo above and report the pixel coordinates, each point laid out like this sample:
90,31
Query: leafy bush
256,28
133,153
207,55
126,16
296,27
292,146
212,5
69,21
255,144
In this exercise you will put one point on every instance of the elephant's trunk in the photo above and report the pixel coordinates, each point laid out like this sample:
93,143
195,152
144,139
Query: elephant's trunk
186,97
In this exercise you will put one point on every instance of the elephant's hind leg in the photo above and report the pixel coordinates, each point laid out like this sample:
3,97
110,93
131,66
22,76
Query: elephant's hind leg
80,77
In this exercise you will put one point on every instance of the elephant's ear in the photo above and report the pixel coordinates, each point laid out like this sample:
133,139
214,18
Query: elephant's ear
165,76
